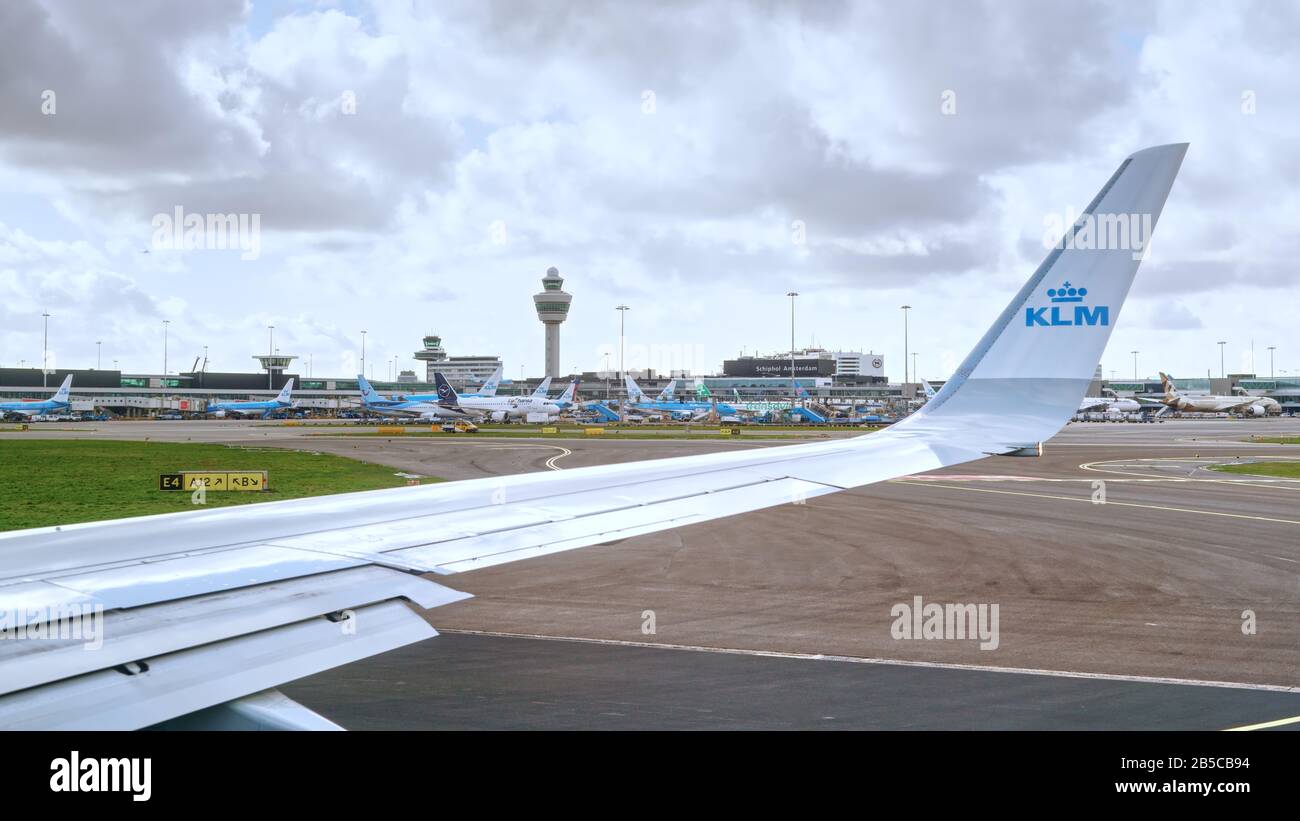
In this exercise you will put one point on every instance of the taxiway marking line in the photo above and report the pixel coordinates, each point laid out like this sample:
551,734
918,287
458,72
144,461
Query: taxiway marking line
938,665
1120,504
550,463
1264,725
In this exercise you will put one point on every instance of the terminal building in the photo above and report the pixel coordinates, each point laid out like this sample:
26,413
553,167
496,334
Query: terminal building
460,371
811,362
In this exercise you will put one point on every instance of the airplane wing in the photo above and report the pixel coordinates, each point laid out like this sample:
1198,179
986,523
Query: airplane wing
203,612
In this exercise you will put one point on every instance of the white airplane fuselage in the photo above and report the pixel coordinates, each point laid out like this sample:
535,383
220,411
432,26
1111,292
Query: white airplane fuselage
1252,405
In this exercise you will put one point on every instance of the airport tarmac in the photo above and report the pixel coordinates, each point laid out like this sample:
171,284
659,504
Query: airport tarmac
1102,601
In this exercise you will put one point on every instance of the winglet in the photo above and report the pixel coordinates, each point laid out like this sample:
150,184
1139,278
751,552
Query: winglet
1033,366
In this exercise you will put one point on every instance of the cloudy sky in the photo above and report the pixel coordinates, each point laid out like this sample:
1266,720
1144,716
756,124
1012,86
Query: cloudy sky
416,167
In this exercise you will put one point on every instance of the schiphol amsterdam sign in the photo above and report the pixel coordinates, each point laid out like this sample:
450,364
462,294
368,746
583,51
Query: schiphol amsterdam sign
217,481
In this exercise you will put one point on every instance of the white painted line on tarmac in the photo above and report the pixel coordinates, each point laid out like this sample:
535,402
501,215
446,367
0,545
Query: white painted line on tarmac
938,665
1110,503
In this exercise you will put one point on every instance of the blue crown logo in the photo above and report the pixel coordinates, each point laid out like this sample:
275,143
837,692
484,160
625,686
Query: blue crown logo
1067,293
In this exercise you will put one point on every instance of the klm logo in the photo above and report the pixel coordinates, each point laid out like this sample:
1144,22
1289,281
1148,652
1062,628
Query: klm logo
1067,309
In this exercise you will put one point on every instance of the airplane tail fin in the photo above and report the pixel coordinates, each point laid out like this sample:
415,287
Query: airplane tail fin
1033,366
571,392
541,391
490,386
702,390
634,393
285,392
61,395
446,393
368,394
666,395
1167,382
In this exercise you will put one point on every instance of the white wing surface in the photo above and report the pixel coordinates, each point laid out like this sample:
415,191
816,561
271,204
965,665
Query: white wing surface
214,607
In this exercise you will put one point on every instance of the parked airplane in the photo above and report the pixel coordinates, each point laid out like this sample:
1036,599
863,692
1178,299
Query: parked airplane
1112,404
55,404
1207,403
637,400
496,408
204,613
263,409
769,409
564,401
487,391
417,408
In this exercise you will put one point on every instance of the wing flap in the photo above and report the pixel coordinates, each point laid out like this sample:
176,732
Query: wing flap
179,683
93,642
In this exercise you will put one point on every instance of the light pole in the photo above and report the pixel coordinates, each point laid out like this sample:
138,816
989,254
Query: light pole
1221,368
1271,348
1135,366
45,351
166,323
905,309
99,354
622,315
792,295
363,353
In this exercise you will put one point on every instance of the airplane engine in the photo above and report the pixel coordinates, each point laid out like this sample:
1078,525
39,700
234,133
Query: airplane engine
1258,410
220,414
499,416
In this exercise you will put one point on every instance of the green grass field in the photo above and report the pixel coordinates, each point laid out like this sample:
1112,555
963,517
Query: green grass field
1277,440
49,482
1284,470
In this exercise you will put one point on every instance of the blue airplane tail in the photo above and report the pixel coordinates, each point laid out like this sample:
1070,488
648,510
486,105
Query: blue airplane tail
368,395
446,393
285,393
61,395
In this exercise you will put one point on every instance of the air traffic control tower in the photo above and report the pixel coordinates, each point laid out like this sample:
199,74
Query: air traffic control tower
552,308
